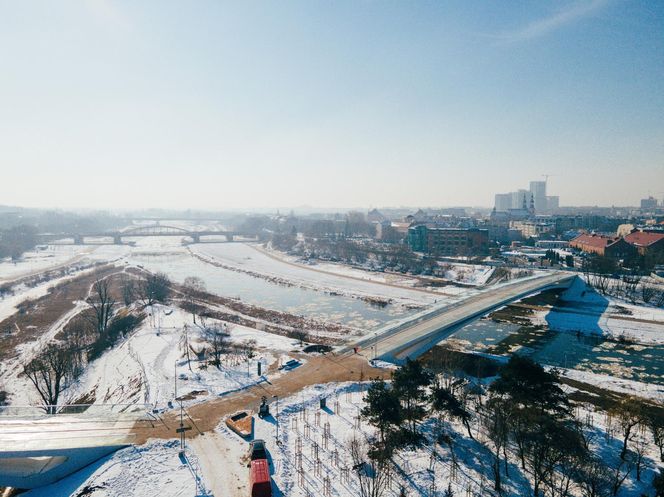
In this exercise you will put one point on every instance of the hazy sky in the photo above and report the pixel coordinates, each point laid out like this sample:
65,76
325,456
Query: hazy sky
212,104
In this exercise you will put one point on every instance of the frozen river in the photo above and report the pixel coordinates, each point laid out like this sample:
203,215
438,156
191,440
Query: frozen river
592,354
169,256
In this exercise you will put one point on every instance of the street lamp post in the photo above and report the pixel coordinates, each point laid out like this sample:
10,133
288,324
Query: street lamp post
277,417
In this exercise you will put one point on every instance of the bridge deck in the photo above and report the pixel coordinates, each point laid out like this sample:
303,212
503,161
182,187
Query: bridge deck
412,339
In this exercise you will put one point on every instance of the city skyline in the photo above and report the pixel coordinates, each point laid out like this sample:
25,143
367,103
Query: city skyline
253,105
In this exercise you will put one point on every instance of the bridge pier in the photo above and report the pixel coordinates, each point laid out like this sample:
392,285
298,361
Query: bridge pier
229,237
117,239
78,239
196,237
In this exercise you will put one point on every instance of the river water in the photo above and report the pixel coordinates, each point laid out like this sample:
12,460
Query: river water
567,350
169,256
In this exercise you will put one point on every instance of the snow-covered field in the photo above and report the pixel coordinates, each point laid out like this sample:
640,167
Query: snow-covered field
466,274
143,368
312,457
246,257
587,311
48,257
319,439
55,256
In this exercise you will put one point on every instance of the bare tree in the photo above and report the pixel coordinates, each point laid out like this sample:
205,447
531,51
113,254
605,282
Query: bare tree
78,335
629,414
155,288
185,346
129,290
299,335
620,473
640,447
496,422
102,302
193,286
216,339
647,292
656,425
595,479
373,475
49,372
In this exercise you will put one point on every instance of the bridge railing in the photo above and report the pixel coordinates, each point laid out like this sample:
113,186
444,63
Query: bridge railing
79,410
414,319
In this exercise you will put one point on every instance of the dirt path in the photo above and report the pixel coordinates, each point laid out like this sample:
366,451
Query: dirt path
222,469
205,417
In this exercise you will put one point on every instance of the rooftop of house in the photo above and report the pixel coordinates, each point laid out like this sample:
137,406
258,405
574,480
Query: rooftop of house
643,238
595,240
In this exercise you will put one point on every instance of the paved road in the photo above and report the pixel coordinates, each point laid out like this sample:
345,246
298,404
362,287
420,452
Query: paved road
413,338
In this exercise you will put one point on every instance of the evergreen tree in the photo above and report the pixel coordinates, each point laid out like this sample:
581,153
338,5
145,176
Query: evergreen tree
410,383
382,409
443,401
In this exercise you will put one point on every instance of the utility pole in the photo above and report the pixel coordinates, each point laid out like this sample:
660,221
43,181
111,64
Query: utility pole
277,417
182,429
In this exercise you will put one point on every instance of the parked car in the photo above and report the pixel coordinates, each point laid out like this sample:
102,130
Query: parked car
257,450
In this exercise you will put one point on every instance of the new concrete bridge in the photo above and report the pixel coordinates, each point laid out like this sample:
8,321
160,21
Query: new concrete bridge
419,333
39,449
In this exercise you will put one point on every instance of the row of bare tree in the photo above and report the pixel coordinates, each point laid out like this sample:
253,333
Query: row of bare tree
86,336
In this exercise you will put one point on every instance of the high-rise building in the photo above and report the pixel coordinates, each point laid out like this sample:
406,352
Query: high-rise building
520,199
503,202
648,203
538,191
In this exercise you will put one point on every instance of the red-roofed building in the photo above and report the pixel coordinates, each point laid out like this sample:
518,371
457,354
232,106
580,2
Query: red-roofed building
609,246
646,242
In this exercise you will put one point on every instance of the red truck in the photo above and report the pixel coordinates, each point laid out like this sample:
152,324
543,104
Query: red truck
259,478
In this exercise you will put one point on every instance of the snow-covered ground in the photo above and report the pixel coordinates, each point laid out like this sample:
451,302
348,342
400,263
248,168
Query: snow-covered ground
41,259
143,368
55,256
316,440
466,274
303,427
649,391
587,311
146,471
246,257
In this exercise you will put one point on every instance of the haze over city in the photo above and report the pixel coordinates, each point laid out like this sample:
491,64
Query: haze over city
261,104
